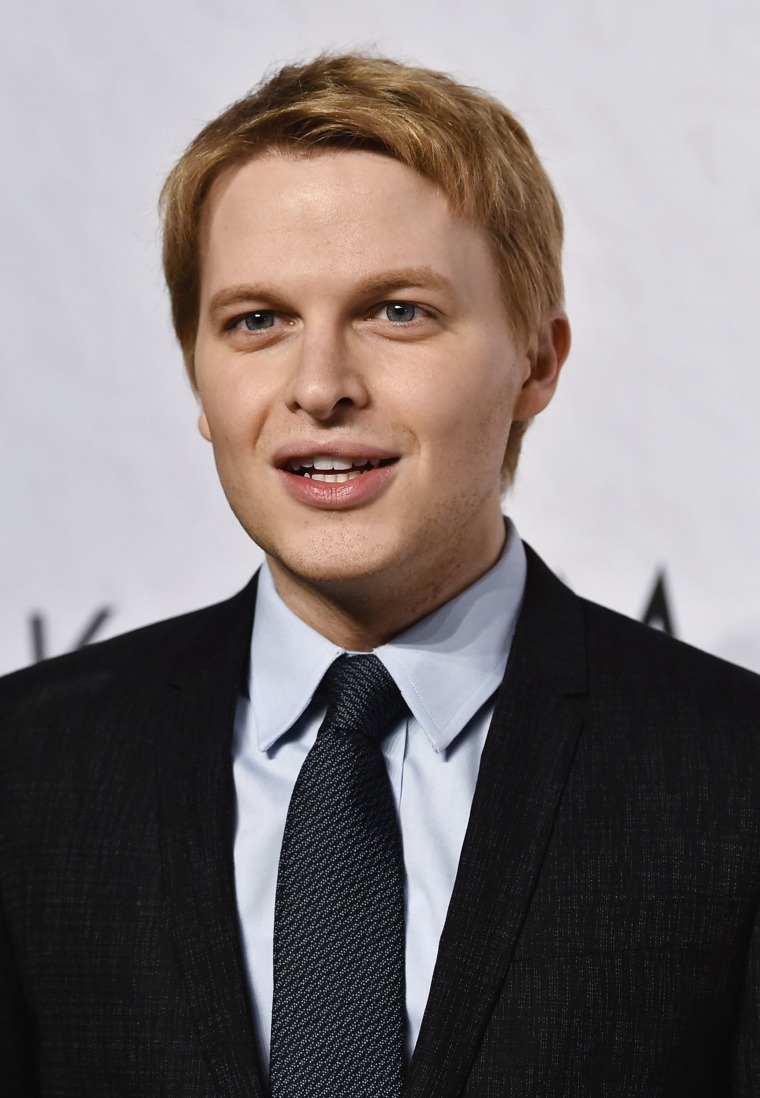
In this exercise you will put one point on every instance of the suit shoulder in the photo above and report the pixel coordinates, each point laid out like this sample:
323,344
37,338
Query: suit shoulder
583,644
151,650
639,655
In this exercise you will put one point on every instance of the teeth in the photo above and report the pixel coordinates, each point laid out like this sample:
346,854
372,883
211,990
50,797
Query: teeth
328,462
334,478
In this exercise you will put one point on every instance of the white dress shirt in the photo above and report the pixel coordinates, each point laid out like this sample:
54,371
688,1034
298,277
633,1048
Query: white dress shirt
447,667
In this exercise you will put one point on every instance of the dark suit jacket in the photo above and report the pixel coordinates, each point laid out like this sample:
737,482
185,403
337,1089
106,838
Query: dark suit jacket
601,936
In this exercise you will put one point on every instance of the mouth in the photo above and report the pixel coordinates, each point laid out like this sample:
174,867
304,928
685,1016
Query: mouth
332,469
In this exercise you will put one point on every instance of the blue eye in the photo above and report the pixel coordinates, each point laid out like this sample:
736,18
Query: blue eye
258,321
400,312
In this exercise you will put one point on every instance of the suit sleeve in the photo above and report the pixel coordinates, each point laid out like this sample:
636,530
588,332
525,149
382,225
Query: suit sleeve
18,1054
746,1074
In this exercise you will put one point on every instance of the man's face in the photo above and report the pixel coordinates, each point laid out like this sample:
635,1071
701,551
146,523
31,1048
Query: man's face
357,374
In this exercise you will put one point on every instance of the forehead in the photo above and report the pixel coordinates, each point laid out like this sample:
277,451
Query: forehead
342,211
279,176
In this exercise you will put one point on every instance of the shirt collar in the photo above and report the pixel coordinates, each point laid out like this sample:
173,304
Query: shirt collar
446,666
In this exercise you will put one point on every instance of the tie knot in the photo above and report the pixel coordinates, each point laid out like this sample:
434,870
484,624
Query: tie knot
361,697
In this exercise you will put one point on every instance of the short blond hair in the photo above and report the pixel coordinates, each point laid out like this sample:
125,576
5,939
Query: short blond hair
464,141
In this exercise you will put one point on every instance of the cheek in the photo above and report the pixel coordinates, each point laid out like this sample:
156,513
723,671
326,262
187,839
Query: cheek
233,409
469,409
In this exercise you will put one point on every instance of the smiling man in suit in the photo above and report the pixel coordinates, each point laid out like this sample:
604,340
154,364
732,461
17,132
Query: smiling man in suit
405,814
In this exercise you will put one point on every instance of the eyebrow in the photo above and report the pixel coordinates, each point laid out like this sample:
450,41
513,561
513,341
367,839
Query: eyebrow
241,294
387,281
383,282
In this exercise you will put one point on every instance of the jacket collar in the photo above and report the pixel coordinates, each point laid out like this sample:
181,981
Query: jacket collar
196,818
530,746
523,771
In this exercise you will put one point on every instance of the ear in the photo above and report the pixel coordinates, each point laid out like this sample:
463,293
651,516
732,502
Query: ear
203,426
545,364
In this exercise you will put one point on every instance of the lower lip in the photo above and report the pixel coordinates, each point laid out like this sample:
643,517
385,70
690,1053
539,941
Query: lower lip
337,497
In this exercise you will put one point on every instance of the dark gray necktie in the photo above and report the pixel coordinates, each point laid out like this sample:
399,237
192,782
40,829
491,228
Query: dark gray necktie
339,1004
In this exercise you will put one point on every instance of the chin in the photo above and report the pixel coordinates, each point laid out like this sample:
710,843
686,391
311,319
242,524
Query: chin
339,559
331,573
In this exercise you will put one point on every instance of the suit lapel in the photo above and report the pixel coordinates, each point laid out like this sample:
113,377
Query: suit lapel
196,812
523,771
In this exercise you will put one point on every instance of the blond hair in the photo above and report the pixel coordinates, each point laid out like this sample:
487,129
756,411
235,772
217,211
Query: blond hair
461,139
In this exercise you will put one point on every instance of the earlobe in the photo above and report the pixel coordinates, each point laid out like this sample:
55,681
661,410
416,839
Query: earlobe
203,426
545,365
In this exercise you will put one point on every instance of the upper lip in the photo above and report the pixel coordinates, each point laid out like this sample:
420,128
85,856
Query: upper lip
356,452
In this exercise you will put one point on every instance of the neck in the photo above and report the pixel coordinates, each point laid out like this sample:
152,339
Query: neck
362,613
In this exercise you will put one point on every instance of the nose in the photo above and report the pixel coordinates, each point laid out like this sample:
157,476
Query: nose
326,378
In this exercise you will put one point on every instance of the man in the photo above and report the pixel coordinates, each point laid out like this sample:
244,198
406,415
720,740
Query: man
516,849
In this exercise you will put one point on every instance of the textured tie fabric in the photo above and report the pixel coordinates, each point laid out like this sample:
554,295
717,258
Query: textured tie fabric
339,1006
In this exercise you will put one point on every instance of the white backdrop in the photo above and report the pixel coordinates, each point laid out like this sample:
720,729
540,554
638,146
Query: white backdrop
646,114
